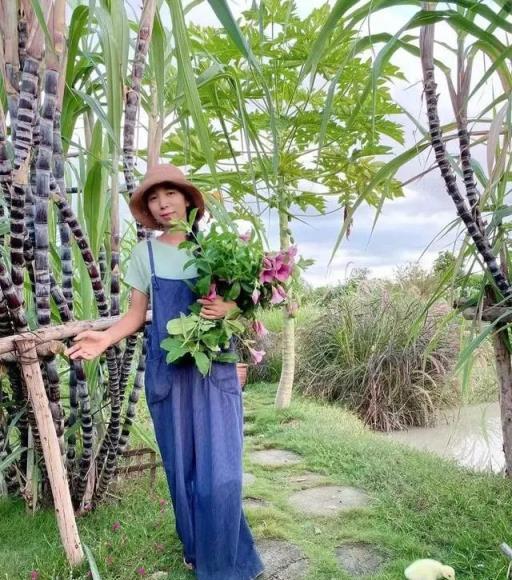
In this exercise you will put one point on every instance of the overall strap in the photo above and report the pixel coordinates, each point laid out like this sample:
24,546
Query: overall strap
152,262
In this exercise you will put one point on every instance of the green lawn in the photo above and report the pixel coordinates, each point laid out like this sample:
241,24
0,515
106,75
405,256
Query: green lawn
422,507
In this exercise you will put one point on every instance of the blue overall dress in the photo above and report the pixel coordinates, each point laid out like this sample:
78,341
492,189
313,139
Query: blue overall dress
198,424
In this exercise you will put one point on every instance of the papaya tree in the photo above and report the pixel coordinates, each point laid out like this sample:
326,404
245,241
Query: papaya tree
273,145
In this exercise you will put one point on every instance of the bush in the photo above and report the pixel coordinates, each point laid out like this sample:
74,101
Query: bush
370,351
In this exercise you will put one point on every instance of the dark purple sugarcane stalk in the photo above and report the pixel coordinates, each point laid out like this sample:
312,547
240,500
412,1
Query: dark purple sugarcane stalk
22,41
78,392
25,112
13,299
111,439
43,171
430,89
138,387
131,110
5,165
66,256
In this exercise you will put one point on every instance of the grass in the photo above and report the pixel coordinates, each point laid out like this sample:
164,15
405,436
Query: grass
422,506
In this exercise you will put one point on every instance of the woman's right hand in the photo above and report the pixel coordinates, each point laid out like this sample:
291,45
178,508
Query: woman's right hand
88,345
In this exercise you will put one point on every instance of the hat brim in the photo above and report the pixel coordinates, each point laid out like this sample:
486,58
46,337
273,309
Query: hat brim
139,207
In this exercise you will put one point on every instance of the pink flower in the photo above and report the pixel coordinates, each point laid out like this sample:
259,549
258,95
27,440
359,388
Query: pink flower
34,575
259,328
256,355
278,295
255,296
116,526
267,274
283,272
141,571
212,293
292,252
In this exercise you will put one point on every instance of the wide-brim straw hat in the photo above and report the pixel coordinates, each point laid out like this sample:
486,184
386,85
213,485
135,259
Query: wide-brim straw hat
163,174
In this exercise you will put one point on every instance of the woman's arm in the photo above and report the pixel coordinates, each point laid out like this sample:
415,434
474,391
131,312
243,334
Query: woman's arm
91,343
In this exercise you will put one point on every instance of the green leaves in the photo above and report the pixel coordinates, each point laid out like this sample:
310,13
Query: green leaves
175,349
186,79
202,362
182,325
95,194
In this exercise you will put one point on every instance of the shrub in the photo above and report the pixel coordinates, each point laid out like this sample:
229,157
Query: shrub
370,351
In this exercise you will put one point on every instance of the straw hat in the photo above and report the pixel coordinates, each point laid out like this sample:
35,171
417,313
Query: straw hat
159,175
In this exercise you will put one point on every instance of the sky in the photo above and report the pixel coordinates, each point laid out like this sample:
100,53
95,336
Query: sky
409,229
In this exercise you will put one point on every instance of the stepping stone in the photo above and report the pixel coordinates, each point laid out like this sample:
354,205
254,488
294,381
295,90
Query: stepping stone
248,478
255,503
275,457
283,561
307,479
359,559
328,500
159,576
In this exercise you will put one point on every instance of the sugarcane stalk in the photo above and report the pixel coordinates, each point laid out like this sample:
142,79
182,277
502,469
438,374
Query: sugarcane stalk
138,386
430,89
132,103
66,257
5,163
11,61
110,441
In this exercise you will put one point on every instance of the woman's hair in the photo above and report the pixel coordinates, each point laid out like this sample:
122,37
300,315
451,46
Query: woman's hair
195,225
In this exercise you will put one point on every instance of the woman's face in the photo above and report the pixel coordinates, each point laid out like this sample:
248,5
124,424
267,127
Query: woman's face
167,205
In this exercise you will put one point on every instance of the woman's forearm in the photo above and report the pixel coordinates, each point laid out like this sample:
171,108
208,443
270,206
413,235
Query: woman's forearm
132,321
126,326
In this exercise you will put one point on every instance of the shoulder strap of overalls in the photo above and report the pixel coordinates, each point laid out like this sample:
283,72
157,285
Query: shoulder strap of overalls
151,258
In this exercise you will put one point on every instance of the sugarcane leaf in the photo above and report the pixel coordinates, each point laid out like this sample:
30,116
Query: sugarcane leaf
186,76
93,567
202,362
95,191
157,60
11,458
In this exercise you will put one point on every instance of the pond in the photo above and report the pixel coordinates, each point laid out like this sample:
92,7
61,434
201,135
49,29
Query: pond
471,435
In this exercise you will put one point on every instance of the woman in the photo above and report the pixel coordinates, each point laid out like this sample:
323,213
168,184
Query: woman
198,420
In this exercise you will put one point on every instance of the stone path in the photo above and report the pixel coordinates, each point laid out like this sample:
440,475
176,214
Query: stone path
328,500
359,559
282,560
275,457
315,497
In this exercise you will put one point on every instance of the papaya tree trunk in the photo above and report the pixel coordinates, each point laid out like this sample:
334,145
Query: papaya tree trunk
284,390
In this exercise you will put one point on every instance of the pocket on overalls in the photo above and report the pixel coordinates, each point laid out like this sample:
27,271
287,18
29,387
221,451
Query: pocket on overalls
223,376
157,378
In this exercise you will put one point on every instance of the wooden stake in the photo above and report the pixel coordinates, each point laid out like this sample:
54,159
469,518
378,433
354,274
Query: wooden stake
50,444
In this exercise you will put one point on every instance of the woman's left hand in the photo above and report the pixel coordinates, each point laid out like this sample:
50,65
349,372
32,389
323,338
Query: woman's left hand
216,308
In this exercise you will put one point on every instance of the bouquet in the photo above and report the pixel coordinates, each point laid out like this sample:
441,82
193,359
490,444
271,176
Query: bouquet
236,268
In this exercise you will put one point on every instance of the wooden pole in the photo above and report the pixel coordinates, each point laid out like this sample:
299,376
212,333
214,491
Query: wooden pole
60,332
50,444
